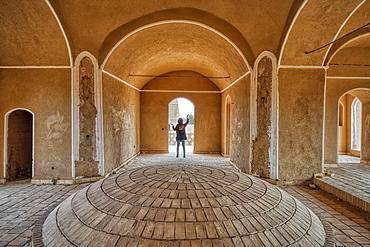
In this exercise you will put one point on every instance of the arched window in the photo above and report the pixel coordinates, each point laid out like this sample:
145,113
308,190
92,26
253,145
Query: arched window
356,125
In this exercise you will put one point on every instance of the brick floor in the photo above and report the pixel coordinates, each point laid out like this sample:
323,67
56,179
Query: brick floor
165,201
21,204
351,226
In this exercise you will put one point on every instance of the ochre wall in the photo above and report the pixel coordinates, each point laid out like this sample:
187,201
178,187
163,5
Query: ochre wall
335,88
154,112
47,93
239,150
301,102
121,112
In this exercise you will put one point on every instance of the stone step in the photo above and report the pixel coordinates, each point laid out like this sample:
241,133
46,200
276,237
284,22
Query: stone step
342,190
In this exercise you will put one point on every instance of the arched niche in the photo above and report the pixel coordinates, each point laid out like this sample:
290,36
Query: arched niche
87,118
264,117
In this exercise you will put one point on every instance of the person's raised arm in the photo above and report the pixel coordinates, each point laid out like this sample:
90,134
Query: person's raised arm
173,127
187,120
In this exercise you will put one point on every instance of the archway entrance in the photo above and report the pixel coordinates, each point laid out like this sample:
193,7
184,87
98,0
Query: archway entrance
180,108
349,129
19,145
227,127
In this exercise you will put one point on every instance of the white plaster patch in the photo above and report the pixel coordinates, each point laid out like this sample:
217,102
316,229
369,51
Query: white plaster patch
56,128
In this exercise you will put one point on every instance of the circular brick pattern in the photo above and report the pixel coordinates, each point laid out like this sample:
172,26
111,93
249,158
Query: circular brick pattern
182,205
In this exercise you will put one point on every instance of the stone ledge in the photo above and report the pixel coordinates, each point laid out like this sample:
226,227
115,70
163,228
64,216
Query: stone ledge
342,193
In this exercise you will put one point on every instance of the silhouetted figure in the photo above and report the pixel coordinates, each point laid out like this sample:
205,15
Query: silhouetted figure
180,134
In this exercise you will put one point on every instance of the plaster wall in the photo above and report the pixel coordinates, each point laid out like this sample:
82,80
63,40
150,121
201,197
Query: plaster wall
335,88
154,119
154,112
240,122
301,102
121,112
47,93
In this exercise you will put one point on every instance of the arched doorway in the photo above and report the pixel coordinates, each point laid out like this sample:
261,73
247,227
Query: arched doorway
18,162
181,108
349,129
227,136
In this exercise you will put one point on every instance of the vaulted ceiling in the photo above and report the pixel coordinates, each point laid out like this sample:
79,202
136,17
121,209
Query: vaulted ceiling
41,32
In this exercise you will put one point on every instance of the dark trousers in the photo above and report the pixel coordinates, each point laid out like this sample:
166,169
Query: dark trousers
178,146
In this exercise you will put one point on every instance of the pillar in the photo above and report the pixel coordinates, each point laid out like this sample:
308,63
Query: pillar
331,123
301,103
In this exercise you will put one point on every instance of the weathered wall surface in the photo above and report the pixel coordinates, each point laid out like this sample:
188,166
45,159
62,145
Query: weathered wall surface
261,159
121,112
154,112
335,88
301,102
240,122
87,164
47,93
19,145
365,133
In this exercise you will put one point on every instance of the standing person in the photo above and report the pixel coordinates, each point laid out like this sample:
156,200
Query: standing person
181,134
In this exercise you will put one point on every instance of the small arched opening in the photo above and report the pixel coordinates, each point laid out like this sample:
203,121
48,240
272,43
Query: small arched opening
349,129
19,144
181,108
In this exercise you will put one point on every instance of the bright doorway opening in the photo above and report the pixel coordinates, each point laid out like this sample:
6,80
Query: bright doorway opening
181,108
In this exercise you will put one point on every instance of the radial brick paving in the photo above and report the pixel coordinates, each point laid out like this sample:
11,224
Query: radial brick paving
182,204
